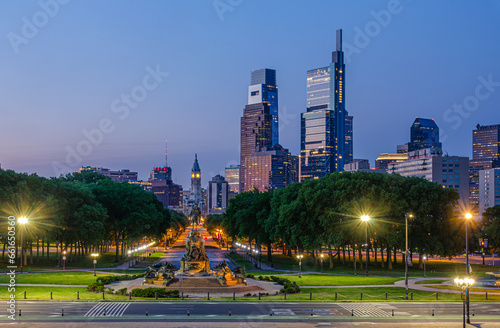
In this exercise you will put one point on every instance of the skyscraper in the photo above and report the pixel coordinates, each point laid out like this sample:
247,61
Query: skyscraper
263,89
232,176
256,133
268,169
218,194
326,127
424,133
485,155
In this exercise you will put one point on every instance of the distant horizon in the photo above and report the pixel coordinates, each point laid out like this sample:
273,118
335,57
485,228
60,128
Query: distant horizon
104,84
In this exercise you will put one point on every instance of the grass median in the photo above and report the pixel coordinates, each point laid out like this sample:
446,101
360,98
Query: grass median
58,294
54,278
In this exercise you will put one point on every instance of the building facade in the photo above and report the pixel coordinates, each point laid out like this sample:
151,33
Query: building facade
268,169
485,155
382,162
424,133
357,165
489,189
119,176
218,195
326,127
195,193
232,176
448,171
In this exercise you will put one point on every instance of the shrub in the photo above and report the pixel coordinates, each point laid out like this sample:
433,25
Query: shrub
151,292
95,287
122,291
250,276
247,294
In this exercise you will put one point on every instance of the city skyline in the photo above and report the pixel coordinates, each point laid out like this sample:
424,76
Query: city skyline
69,76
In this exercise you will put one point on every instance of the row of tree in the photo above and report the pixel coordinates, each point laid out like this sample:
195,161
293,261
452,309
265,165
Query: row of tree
325,214
81,213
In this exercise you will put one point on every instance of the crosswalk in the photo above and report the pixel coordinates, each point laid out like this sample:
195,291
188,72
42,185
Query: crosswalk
303,312
108,309
364,310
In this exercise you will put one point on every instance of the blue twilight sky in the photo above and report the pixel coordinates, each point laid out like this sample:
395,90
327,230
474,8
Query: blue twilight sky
67,64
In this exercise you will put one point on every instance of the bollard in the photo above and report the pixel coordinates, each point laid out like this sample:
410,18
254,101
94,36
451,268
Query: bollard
437,296
486,295
188,313
229,312
19,313
103,295
386,296
129,295
77,295
62,313
352,313
361,298
472,312
432,312
50,295
104,313
285,296
147,312
156,295
271,313
208,296
259,296
24,294
393,312
182,295
411,295
312,312
335,295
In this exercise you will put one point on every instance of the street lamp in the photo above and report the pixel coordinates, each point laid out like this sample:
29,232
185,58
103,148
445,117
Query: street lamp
425,258
299,257
354,255
322,256
64,261
94,256
407,260
22,221
468,271
464,283
366,218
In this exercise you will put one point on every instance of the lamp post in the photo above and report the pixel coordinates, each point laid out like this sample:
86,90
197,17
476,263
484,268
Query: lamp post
464,283
94,256
299,257
468,216
22,221
322,256
366,218
129,258
408,215
425,258
354,254
64,261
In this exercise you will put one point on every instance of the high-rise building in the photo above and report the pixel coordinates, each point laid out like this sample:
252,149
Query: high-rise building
489,189
424,133
218,195
430,164
232,176
119,176
485,155
256,133
263,89
268,169
326,127
294,168
382,162
357,165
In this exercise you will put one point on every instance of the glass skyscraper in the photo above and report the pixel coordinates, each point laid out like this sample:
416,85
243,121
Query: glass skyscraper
424,133
326,128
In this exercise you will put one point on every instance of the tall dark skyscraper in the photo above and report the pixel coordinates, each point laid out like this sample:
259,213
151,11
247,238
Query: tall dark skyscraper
257,121
485,155
263,89
424,133
326,128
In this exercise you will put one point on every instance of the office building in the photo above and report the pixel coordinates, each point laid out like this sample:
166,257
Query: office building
489,189
232,176
326,127
382,162
357,165
256,133
430,164
268,169
485,155
294,175
119,176
424,133
218,195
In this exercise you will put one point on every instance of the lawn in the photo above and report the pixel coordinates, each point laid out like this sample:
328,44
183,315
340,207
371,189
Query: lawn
450,287
152,259
54,278
58,294
335,280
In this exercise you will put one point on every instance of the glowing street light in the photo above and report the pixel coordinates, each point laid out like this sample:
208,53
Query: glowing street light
64,261
94,256
468,270
464,283
425,259
365,219
407,259
22,221
322,256
300,257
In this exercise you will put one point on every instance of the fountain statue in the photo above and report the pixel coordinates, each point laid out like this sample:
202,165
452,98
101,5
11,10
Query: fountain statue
195,260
